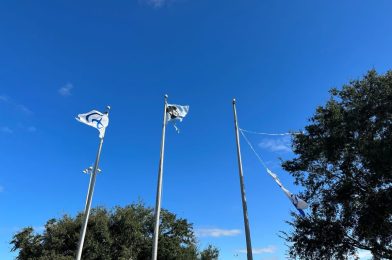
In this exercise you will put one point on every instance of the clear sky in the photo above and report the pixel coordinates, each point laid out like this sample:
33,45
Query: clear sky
278,58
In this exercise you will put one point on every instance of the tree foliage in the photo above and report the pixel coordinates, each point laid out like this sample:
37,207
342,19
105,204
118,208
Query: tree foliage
210,253
344,161
123,234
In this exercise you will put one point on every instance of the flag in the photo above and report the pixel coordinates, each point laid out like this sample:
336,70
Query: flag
176,113
299,204
95,119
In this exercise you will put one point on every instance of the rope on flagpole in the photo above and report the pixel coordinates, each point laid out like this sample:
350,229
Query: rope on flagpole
293,198
253,149
271,134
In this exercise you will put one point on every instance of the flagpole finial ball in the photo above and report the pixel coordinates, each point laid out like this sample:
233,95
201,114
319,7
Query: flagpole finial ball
108,107
233,100
166,96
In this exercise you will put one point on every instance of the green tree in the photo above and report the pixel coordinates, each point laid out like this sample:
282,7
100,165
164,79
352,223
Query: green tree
123,233
210,253
344,161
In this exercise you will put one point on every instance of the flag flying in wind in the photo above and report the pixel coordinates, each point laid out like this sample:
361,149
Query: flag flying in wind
95,119
299,204
176,113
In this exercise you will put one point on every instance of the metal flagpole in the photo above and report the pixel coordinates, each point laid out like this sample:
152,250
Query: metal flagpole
159,187
89,198
89,171
244,206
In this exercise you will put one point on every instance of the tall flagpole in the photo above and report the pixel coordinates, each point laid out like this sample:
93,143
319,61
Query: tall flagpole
244,206
89,171
89,198
159,187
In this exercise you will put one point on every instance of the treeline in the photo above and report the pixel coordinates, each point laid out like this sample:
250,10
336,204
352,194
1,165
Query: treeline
123,233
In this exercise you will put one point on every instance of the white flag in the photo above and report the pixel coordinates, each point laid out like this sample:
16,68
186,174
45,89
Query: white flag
299,204
95,119
176,112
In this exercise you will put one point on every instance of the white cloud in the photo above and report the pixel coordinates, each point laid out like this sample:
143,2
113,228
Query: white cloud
279,144
7,100
6,129
261,250
217,232
65,90
157,3
24,109
4,98
270,258
364,254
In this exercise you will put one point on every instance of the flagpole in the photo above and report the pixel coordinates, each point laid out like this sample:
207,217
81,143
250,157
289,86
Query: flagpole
89,198
159,187
89,172
244,206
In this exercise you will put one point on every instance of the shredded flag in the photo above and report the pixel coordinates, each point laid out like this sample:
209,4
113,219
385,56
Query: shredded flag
95,119
299,204
176,112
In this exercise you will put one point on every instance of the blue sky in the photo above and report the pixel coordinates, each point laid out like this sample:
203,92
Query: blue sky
277,58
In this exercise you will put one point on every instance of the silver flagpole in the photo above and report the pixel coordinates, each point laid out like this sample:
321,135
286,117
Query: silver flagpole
89,171
159,187
89,198
244,206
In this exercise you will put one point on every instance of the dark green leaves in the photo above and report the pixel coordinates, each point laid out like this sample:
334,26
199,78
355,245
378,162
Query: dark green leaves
344,161
123,233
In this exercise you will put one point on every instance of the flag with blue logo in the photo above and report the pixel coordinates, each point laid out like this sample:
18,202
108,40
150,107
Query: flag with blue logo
298,203
95,119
